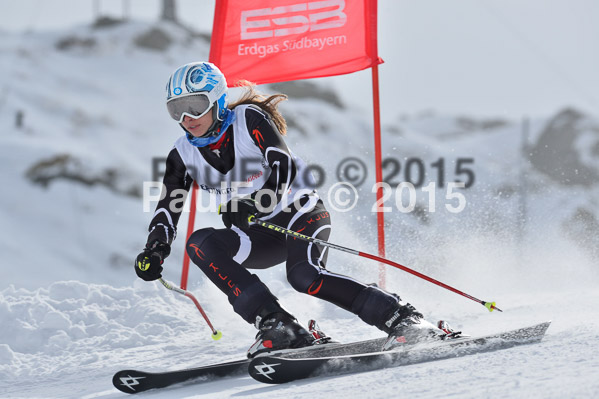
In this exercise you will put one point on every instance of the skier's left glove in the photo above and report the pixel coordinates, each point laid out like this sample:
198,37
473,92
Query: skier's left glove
148,264
237,211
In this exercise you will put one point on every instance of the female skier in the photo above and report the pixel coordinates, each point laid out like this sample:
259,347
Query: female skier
220,142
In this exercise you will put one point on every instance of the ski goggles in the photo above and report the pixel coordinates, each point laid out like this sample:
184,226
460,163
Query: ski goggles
193,105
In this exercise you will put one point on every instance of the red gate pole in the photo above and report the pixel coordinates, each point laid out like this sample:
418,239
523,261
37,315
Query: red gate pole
190,229
380,216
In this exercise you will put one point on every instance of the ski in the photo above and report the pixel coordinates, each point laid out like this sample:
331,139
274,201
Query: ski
134,381
286,368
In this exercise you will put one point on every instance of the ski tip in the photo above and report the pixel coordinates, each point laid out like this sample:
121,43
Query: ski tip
217,335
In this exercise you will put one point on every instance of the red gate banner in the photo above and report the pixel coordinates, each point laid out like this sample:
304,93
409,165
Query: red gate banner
267,41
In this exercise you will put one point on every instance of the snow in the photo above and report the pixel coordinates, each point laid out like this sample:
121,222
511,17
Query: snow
73,313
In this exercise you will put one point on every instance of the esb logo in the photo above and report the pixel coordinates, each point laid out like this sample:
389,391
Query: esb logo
293,19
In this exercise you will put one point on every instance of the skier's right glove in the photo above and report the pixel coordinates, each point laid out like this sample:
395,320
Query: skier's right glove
148,264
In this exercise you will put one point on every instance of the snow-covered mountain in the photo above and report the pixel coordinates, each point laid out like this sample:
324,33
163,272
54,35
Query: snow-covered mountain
82,119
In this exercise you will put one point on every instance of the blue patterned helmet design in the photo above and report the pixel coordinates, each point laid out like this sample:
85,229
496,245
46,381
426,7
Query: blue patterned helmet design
200,77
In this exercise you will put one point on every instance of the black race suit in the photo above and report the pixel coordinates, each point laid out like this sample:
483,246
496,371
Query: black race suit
225,255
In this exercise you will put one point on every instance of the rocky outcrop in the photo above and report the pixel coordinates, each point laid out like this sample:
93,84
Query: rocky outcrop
67,167
567,150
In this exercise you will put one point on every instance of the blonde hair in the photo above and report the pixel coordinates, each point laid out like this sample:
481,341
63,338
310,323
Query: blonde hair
268,104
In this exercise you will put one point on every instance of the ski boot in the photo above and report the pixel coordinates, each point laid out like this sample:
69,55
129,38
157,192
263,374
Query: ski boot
278,331
407,326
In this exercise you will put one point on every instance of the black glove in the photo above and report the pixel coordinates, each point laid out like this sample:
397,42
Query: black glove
148,264
237,211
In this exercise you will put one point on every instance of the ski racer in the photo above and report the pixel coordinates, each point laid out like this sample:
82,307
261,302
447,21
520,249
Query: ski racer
218,142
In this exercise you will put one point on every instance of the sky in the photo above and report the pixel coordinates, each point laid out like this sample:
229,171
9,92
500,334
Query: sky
508,58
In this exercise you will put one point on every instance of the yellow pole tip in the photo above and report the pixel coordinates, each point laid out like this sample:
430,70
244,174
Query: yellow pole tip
218,335
490,306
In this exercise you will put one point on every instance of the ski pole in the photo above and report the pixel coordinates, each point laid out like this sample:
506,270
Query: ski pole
216,335
489,305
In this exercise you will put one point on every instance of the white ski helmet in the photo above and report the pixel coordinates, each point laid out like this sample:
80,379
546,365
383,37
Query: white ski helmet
194,89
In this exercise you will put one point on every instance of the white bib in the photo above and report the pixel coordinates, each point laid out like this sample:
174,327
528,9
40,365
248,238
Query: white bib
248,174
